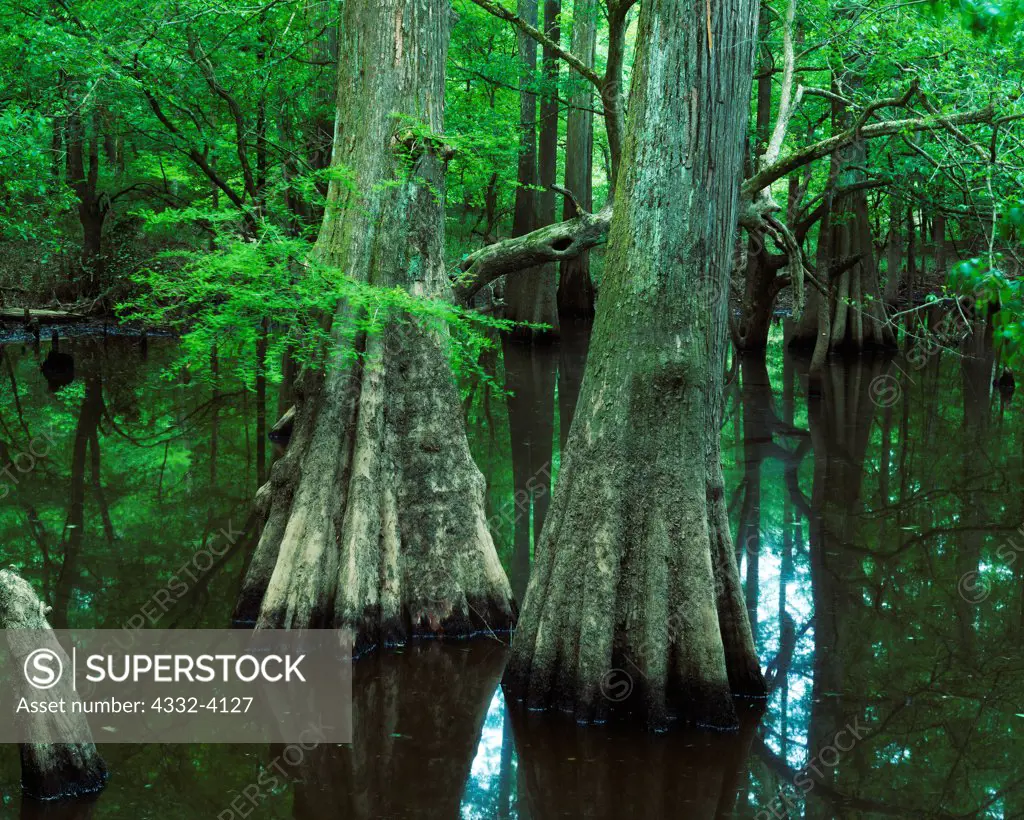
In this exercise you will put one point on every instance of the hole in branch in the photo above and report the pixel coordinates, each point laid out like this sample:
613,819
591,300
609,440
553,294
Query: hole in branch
562,244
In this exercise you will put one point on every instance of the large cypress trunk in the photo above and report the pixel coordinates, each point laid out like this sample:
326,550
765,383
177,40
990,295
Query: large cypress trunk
635,570
374,518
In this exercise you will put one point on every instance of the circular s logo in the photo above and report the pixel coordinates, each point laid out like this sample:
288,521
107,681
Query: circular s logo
43,668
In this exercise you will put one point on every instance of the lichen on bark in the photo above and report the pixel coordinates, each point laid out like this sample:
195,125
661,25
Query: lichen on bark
636,571
374,518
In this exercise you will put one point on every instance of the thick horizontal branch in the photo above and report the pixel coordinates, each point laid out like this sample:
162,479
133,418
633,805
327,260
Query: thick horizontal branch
568,239
552,243
762,179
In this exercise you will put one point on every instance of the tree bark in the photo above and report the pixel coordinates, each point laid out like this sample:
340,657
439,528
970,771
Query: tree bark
761,288
636,568
374,517
83,163
48,770
852,316
939,238
858,311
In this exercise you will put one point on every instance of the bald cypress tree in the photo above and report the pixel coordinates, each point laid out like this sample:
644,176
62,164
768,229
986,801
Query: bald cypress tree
374,519
636,569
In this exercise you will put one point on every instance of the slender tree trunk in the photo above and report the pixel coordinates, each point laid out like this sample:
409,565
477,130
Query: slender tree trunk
575,287
324,49
759,294
261,402
636,568
530,373
83,164
374,518
894,251
939,238
612,92
532,295
911,254
572,362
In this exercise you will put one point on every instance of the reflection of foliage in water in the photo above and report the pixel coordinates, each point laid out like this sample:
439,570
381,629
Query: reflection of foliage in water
176,465
933,677
908,498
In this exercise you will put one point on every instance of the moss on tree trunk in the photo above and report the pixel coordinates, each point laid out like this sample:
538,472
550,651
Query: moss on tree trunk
374,518
636,569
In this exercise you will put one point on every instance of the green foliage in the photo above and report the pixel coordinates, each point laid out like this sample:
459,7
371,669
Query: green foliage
260,284
992,291
30,192
992,17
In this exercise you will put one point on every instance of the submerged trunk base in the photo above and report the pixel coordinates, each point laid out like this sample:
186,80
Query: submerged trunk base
61,771
49,771
375,517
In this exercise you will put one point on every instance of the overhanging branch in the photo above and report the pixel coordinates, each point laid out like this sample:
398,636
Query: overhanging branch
553,243
818,150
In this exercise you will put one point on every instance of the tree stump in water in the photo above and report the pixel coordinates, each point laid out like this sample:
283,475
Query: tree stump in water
48,770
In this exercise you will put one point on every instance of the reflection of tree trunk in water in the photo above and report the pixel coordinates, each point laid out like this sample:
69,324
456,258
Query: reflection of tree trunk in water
757,433
74,531
530,374
417,719
572,361
793,506
97,486
508,746
976,372
841,418
565,767
35,524
81,809
760,426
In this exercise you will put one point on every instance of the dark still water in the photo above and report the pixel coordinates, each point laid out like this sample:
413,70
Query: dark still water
876,522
